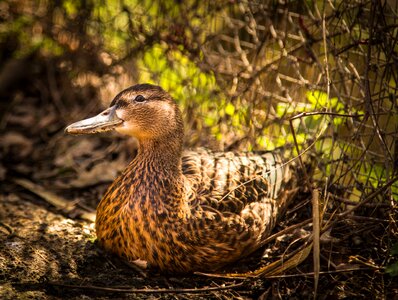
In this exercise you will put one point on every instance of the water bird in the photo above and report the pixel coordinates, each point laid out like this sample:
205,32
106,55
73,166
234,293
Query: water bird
184,210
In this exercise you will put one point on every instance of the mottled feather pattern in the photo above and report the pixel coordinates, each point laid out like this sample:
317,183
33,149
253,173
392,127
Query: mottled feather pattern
227,200
225,179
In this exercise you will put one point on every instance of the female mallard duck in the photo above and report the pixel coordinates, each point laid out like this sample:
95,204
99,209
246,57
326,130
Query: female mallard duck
183,211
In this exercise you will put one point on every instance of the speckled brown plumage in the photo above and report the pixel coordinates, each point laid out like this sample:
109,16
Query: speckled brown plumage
184,211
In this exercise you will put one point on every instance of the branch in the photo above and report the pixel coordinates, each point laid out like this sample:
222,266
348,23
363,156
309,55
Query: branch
147,291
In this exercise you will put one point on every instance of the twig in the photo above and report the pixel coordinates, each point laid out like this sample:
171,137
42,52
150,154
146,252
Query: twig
55,200
368,96
320,273
147,291
316,231
367,199
350,202
370,197
367,219
222,276
54,91
316,113
315,210
288,229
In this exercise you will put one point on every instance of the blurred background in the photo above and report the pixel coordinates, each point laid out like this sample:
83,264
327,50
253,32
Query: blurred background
248,75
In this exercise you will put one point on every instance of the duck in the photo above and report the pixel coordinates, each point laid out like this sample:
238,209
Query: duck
184,211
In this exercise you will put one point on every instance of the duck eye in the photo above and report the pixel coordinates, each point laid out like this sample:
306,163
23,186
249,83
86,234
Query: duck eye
139,98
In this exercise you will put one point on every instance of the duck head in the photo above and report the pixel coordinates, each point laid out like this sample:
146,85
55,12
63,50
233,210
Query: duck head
144,111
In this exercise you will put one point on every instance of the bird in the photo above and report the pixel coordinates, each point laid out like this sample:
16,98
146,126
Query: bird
184,210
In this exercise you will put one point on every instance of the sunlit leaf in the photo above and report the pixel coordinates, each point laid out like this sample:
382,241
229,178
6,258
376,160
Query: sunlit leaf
230,109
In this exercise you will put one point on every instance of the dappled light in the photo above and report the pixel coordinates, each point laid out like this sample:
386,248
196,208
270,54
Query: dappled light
315,82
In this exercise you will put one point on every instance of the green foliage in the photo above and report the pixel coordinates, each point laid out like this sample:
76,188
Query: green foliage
71,7
19,28
26,27
394,191
392,269
394,249
113,26
318,101
174,71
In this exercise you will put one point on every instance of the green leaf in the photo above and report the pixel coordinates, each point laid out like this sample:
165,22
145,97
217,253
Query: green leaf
392,269
317,98
394,249
262,142
230,109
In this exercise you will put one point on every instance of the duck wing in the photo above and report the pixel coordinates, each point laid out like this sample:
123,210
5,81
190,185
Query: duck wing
230,181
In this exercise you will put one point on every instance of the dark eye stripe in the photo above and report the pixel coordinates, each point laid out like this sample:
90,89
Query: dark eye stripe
122,103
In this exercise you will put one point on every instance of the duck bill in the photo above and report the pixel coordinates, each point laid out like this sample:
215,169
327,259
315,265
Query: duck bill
105,121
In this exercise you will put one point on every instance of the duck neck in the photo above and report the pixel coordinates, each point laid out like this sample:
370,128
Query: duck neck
161,157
